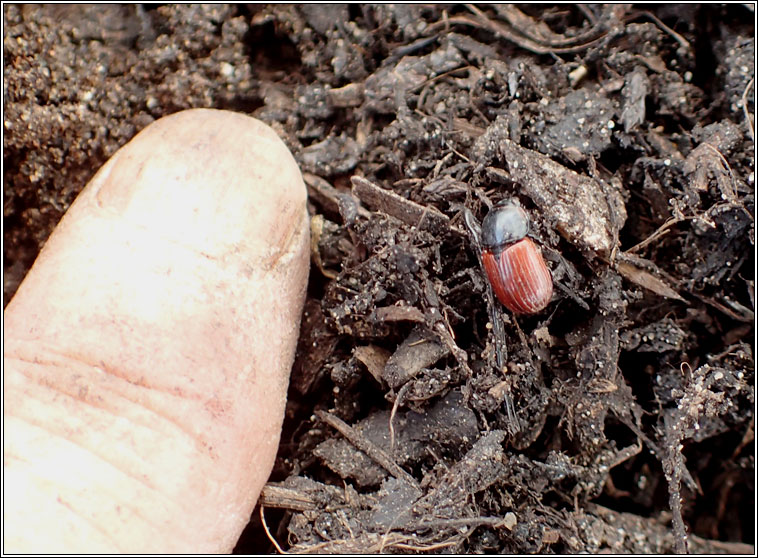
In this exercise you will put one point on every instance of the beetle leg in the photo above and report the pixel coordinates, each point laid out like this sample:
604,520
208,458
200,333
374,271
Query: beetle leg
474,229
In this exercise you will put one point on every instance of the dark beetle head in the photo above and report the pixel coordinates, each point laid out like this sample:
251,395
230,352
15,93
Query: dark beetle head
504,224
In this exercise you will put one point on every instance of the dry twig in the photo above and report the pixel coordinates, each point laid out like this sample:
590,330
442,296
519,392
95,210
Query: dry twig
369,448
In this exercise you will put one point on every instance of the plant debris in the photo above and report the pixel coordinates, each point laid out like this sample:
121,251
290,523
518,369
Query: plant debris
422,416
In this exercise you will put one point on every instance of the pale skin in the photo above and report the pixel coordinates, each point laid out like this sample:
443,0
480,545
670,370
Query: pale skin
147,352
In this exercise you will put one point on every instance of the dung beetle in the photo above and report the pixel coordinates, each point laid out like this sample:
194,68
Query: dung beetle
512,261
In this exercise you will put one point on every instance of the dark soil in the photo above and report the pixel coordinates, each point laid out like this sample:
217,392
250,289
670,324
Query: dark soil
622,416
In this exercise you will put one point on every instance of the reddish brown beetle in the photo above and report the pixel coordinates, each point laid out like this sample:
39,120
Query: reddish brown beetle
512,262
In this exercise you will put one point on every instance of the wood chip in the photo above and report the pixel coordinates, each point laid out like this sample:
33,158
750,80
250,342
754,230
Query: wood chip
407,211
273,496
647,280
585,211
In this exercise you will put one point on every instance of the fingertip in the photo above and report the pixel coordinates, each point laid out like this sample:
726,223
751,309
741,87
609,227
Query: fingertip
169,297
